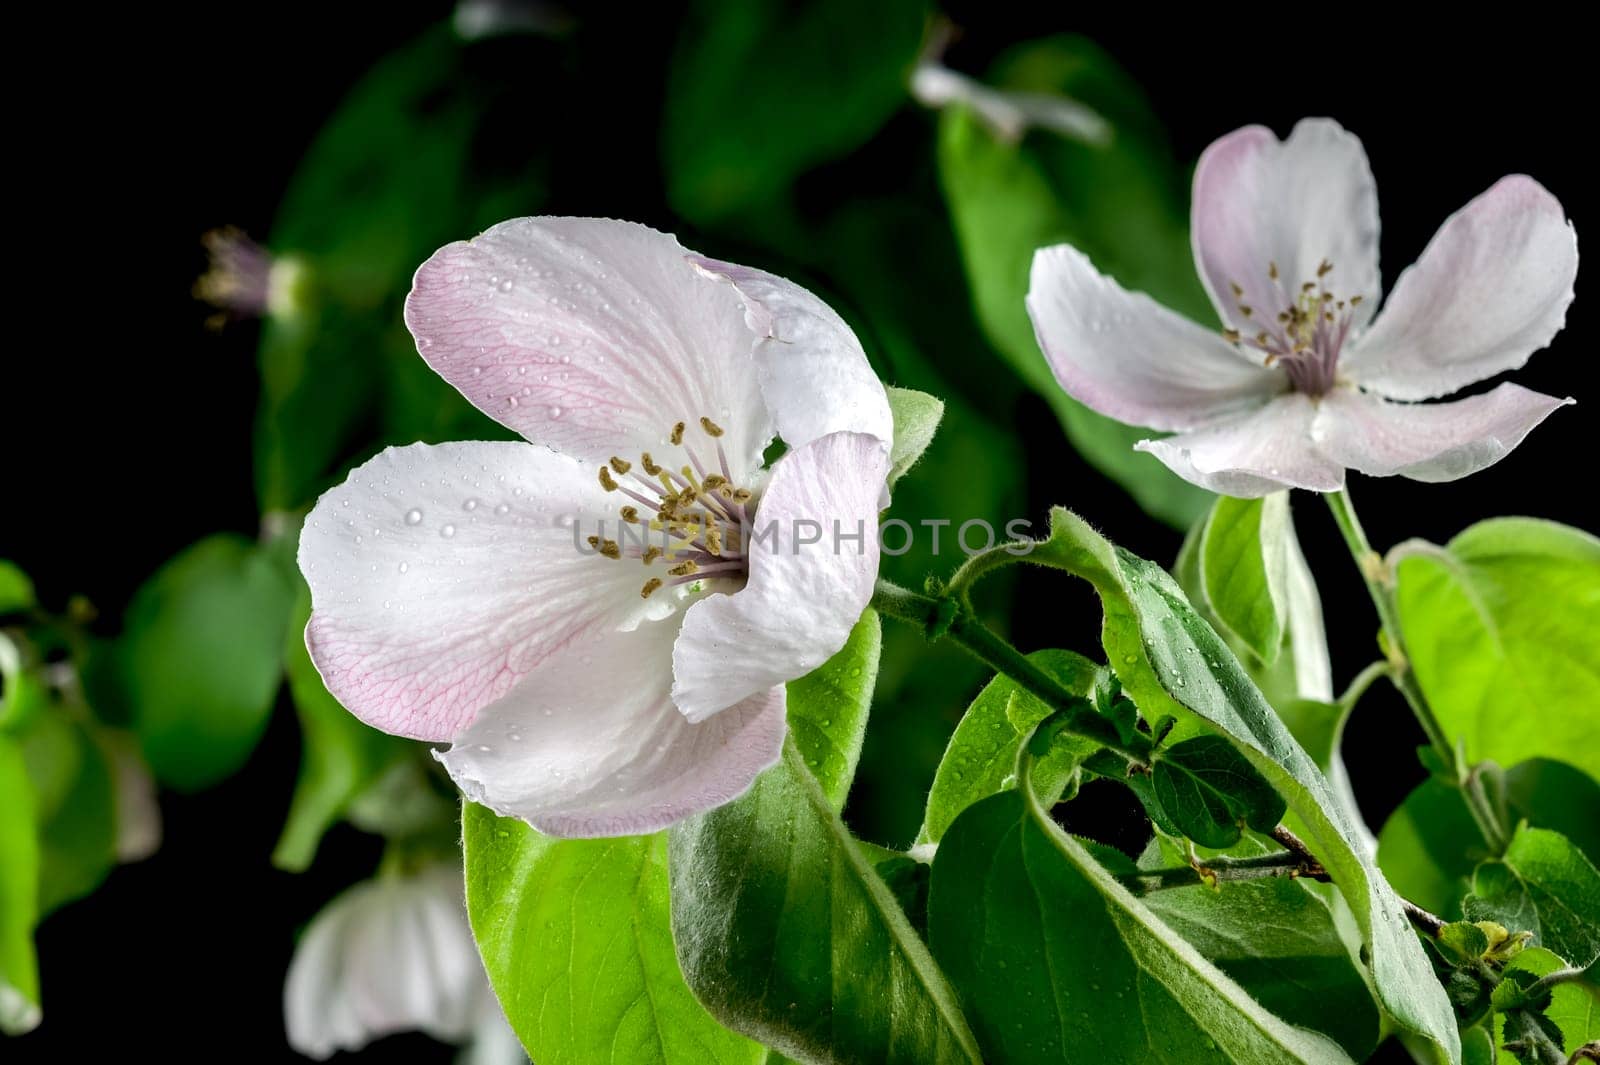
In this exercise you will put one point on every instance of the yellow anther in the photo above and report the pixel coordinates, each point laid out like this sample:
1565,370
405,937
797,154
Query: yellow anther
630,515
711,427
1238,289
652,553
1232,335
606,480
714,541
649,464
1308,286
1262,338
713,481
1244,310
685,569
677,434
649,586
1324,268
610,549
741,495
1356,300
1272,270
726,491
594,542
672,489
620,465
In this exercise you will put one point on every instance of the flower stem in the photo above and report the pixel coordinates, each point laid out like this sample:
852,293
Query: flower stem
949,618
1380,586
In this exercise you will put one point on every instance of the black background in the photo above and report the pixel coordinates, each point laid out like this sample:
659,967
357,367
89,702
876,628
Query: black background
126,425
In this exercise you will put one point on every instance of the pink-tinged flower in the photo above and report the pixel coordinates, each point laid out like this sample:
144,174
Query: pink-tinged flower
601,620
1303,382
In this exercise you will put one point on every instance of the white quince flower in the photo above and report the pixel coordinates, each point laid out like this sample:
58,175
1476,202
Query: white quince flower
613,688
1303,383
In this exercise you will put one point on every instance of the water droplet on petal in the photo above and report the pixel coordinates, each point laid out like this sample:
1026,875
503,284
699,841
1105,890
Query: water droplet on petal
413,516
555,412
505,286
448,531
471,504
405,567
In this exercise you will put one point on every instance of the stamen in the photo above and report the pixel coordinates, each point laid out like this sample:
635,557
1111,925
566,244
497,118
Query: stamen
741,495
606,481
685,569
649,586
649,464
1324,268
651,554
1232,335
711,427
1244,310
620,465
677,434
610,549
1272,270
714,541
1238,289
630,515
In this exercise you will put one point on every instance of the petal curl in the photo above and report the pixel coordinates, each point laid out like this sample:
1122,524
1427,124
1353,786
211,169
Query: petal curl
1128,357
1297,203
440,576
590,336
813,563
1428,441
592,745
1490,289
1253,455
814,374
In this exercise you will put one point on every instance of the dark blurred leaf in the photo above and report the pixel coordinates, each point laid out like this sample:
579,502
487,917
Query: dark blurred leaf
74,805
201,657
398,171
16,590
760,92
19,893
1121,203
340,755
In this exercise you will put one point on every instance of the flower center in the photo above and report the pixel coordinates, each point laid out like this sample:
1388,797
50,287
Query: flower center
690,520
1306,334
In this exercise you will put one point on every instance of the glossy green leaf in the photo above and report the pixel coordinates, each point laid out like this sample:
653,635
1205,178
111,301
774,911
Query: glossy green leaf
1499,626
74,804
784,929
16,589
1211,791
340,755
787,933
1244,562
201,657
1544,885
576,940
19,893
1120,202
758,93
1279,939
916,419
1056,961
1477,1047
981,758
1170,661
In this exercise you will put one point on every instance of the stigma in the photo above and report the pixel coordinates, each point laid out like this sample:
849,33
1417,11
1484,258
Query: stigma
1304,333
692,519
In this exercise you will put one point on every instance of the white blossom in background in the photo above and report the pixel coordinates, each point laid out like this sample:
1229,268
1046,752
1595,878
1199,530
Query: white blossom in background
1304,381
394,954
1007,114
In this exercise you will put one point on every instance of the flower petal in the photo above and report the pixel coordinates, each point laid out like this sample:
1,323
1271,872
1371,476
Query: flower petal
1430,441
1490,289
1250,456
440,576
813,563
592,745
814,375
590,336
1127,356
1297,203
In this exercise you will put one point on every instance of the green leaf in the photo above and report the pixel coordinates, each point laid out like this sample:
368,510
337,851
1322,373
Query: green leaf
758,93
1574,1006
575,937
1279,939
1544,885
1120,202
828,707
19,894
982,755
201,656
1430,846
916,419
74,804
1477,1047
786,933
340,756
1499,629
1051,954
1170,661
1244,560
16,589
1210,791
21,693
